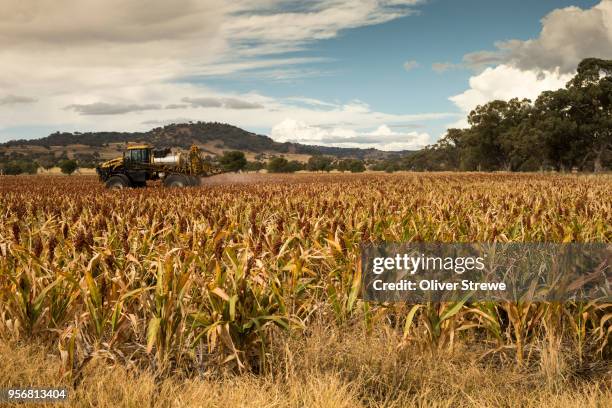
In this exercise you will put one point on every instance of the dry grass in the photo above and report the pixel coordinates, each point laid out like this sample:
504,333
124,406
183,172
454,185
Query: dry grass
328,368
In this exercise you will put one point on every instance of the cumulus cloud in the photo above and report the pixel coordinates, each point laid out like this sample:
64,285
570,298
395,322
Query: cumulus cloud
383,138
14,99
101,108
410,65
568,35
506,82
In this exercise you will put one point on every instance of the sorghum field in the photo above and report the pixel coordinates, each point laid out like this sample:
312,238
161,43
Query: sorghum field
246,293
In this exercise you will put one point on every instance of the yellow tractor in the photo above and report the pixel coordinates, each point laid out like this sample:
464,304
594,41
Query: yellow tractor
140,163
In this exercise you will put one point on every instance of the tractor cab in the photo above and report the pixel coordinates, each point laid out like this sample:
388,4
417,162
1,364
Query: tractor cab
140,154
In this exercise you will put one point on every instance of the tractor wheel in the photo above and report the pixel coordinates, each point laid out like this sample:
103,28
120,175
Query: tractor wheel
118,181
194,181
176,180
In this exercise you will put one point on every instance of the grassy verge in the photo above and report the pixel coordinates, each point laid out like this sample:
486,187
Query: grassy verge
329,367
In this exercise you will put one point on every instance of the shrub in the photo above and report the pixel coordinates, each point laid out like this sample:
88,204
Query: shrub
254,166
68,166
233,160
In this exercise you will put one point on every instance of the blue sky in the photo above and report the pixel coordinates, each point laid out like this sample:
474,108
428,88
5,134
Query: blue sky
323,72
366,63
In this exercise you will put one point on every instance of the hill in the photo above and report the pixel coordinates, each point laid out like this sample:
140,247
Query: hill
212,137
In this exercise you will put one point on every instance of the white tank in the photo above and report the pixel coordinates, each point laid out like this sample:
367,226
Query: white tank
174,159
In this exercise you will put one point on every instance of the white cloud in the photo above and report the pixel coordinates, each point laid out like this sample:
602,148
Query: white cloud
410,65
100,108
81,22
203,102
227,103
283,30
383,138
15,99
568,35
441,67
310,102
505,82
255,67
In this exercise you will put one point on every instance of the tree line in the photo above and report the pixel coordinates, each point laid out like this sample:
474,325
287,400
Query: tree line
570,128
19,163
235,160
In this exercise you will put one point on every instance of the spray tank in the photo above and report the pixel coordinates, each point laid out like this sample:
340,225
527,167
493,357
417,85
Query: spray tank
172,159
165,157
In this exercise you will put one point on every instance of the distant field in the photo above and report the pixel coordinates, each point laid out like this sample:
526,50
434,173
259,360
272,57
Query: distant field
105,152
112,150
244,291
56,171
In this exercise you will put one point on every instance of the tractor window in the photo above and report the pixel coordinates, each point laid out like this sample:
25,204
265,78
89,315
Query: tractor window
138,155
